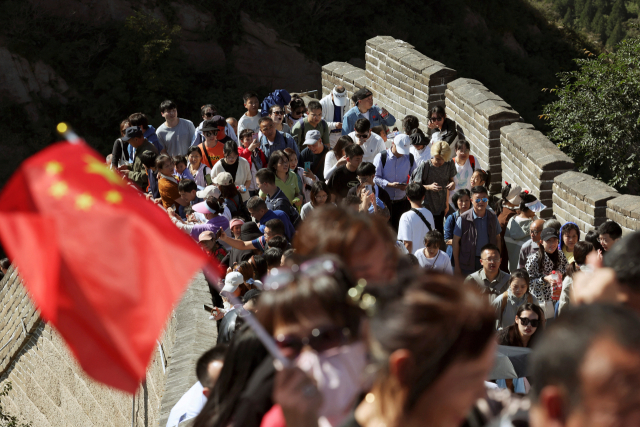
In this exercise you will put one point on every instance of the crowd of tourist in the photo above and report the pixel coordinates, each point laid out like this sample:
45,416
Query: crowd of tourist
386,271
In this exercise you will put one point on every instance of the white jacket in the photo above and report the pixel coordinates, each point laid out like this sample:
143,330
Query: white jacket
242,175
328,110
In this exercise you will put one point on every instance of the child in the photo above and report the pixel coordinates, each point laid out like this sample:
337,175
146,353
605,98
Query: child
148,159
431,258
249,120
181,168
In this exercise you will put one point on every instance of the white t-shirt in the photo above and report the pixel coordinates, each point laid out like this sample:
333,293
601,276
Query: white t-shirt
247,122
440,263
421,156
371,147
190,404
463,177
413,229
306,210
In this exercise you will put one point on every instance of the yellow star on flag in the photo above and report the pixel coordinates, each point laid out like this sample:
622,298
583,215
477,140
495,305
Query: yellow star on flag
84,201
59,189
99,168
112,196
53,167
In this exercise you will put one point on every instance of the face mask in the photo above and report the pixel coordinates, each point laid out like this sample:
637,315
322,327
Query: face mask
339,374
221,133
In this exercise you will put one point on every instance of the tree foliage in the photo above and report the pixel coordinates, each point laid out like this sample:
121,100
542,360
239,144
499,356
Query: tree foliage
596,118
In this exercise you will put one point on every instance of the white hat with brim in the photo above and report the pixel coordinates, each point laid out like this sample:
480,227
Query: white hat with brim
402,143
209,191
340,99
232,281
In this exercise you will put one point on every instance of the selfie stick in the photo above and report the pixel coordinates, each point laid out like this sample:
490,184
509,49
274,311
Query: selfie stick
264,337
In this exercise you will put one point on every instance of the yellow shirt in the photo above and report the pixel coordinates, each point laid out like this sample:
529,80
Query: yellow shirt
568,255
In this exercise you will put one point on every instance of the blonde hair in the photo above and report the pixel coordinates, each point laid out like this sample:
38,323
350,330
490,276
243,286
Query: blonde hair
441,148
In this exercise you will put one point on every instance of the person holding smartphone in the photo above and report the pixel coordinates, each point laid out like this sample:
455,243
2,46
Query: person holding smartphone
313,156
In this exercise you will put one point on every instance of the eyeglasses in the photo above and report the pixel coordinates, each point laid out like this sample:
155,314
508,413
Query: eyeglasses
362,136
210,132
492,260
525,322
536,232
436,119
483,200
320,339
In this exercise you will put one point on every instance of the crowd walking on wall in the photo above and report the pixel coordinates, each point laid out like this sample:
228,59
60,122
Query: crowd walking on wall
374,252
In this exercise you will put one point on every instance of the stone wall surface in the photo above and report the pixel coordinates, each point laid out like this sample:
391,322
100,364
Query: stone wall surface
405,81
49,388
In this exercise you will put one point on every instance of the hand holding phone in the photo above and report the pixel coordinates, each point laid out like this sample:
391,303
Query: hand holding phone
307,166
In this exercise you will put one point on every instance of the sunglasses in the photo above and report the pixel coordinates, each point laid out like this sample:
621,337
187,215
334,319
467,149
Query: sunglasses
319,340
484,200
297,113
277,113
525,322
209,114
435,119
210,132
359,136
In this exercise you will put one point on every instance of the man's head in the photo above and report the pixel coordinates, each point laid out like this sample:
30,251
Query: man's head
381,131
267,127
273,257
139,120
354,155
432,242
587,368
134,136
148,159
188,189
479,200
490,259
314,113
257,207
364,99
246,137
273,227
401,145
536,228
362,130
4,265
250,300
624,259
279,242
365,173
313,140
339,96
416,192
168,110
609,233
251,102
233,123
209,366
266,180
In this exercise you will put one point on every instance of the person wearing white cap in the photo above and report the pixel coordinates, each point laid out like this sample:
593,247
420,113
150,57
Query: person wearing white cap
394,166
334,106
313,155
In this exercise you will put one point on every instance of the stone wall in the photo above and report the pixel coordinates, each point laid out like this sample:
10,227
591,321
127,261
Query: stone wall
405,81
49,388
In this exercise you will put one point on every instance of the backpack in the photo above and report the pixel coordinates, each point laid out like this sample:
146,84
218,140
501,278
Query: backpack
472,160
384,154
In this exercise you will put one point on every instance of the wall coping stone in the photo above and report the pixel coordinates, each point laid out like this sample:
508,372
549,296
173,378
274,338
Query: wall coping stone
627,204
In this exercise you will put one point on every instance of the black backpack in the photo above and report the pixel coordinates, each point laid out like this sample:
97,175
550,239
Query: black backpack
383,159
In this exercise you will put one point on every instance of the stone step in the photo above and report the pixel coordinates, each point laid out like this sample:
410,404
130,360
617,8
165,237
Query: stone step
18,403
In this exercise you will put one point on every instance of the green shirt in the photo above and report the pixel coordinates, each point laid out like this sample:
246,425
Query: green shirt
298,132
289,187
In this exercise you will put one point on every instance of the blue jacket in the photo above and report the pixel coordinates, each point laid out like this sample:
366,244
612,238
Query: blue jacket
280,142
375,118
449,225
289,230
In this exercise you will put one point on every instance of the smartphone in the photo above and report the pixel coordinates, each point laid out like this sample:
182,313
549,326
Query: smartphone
307,166
218,233
254,136
368,188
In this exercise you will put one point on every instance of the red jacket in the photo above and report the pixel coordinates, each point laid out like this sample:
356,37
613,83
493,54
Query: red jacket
246,154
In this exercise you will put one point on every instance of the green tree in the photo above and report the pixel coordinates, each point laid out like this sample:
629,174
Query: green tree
595,119
569,18
616,36
7,420
599,26
617,16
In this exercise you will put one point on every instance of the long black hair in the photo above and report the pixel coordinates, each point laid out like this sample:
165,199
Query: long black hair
244,355
511,336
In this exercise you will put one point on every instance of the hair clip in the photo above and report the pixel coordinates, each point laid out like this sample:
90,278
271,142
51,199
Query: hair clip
526,191
506,183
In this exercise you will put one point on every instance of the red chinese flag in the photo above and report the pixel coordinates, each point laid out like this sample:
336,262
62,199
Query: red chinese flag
104,266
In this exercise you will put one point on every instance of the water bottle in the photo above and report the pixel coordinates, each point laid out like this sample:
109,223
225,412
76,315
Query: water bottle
382,113
556,277
241,188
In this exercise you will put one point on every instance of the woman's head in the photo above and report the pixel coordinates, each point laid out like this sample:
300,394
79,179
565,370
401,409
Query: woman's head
526,198
433,347
592,237
529,320
343,141
228,191
214,205
276,112
194,156
293,159
311,297
297,106
580,252
569,236
437,116
207,111
462,200
480,177
246,269
409,123
124,125
433,240
278,162
549,240
364,242
462,148
440,153
319,193
519,282
259,264
230,152
164,164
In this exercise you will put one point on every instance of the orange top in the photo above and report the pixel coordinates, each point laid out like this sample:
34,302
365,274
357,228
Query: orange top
214,154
